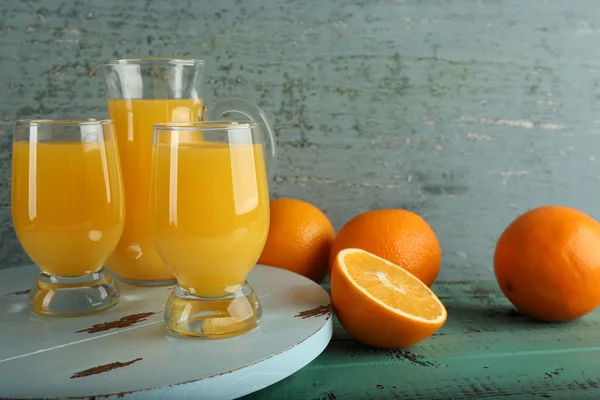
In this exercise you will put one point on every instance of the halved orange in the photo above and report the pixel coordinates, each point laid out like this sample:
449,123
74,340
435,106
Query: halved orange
381,304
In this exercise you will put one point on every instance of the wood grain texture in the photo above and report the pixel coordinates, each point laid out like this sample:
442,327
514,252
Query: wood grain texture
467,112
486,349
127,351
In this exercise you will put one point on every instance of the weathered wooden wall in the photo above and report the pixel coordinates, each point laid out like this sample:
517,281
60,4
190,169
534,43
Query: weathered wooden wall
467,112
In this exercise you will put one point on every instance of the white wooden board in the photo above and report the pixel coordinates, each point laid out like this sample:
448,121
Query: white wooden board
127,351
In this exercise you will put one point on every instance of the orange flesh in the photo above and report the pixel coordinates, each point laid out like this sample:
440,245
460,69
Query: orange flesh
391,286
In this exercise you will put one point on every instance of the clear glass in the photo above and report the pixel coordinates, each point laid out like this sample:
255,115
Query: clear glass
141,93
209,219
68,211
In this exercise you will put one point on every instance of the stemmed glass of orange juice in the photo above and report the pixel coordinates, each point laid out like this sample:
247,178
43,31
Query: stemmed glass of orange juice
209,220
68,211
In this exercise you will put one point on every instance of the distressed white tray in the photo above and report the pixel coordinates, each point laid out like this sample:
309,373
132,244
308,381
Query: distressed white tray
127,351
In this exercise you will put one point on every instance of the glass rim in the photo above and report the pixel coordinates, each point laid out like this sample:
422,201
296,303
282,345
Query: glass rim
155,60
63,121
224,125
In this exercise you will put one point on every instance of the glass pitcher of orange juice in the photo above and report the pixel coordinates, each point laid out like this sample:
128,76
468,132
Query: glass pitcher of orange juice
142,93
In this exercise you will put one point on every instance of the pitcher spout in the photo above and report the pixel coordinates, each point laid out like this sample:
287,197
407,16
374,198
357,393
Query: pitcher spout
151,78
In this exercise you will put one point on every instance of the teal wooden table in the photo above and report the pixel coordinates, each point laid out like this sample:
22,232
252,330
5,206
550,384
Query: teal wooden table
486,349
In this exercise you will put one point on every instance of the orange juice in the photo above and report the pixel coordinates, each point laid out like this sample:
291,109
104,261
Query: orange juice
67,204
135,257
210,212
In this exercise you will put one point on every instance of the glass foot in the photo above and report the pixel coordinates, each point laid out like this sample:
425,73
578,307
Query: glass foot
213,317
73,297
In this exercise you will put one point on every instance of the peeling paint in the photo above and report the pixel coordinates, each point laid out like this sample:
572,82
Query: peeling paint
315,312
18,293
123,322
101,369
513,123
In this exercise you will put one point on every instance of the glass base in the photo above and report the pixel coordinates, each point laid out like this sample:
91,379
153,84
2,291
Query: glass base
149,283
213,317
72,297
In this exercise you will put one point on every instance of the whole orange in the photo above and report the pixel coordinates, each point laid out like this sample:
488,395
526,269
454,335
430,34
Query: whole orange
547,263
399,236
299,239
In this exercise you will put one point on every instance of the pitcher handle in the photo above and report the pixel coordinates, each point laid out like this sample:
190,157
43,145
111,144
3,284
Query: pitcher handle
236,105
